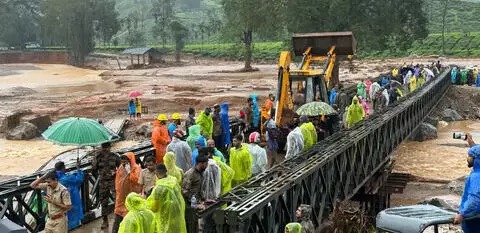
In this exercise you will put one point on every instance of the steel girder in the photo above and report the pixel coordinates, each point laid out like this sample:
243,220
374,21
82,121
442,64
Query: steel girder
335,169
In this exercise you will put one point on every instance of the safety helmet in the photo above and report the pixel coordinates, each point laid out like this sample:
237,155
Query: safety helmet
162,117
254,137
176,116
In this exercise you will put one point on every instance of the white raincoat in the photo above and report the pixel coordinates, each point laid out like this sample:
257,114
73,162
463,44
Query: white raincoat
374,88
212,181
294,143
183,153
259,158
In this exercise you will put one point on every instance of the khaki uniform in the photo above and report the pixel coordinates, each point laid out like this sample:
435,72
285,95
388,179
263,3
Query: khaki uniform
57,217
147,180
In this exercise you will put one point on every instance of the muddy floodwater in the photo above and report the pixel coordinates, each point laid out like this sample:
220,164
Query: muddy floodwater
441,159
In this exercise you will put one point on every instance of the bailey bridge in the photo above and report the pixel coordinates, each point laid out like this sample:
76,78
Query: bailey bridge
351,164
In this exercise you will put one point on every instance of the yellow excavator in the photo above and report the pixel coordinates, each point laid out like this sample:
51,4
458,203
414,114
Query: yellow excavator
308,83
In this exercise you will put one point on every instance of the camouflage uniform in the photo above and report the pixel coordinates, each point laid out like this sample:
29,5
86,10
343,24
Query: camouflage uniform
106,165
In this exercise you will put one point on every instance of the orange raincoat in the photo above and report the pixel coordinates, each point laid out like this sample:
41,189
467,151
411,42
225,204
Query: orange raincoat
126,183
160,140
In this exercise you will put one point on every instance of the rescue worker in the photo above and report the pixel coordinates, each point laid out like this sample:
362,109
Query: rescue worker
421,79
453,75
212,176
217,127
463,77
167,204
199,144
72,182
176,122
364,104
295,142
205,121
126,181
194,134
308,132
477,82
470,204
373,89
395,72
304,214
58,202
160,138
248,115
332,96
259,154
269,103
255,125
183,153
216,152
227,175
379,102
226,140
406,80
240,161
190,120
361,89
172,169
272,135
293,227
139,219
105,163
413,83
355,113
192,187
147,176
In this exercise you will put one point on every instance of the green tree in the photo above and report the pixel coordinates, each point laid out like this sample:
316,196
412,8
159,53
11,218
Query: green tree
106,20
163,13
19,22
244,17
179,34
136,37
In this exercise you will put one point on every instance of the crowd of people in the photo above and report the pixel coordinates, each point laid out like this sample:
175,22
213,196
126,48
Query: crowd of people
465,76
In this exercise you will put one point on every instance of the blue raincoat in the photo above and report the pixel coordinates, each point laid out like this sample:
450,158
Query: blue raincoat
478,80
384,81
225,123
470,204
453,75
72,182
333,94
256,111
202,142
131,107
171,127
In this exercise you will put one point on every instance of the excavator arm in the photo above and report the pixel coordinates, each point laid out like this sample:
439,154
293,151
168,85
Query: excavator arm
283,97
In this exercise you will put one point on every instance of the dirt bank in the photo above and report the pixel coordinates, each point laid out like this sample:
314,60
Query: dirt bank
463,99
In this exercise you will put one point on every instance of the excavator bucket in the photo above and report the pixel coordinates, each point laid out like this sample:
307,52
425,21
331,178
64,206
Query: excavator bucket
322,42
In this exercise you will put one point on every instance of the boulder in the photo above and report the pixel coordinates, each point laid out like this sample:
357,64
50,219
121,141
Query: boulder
456,186
145,129
425,131
448,202
451,115
12,120
23,131
432,120
41,121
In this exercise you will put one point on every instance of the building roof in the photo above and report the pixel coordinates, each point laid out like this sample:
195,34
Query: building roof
138,51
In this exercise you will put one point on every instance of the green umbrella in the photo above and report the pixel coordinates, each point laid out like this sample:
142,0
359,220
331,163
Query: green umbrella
78,131
315,109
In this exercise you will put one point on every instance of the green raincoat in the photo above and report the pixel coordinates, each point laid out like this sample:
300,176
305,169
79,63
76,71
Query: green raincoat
139,219
227,175
362,90
421,80
293,227
206,124
241,163
309,134
355,112
168,206
193,134
172,169
463,77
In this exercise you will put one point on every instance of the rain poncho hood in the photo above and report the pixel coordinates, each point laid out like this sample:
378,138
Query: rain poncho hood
309,134
219,155
374,88
361,89
160,140
227,175
183,153
225,123
125,183
139,219
212,181
259,158
355,112
172,169
241,163
168,206
331,98
293,227
294,143
203,143
193,134
256,111
72,182
206,124
470,204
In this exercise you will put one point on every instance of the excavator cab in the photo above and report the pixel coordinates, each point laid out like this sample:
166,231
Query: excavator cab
316,74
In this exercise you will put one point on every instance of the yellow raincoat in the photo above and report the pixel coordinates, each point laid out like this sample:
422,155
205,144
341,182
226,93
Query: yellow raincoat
241,163
355,112
293,227
227,175
206,124
168,206
309,134
172,169
139,219
413,83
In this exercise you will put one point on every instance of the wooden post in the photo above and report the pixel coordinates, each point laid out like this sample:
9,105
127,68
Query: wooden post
138,59
131,59
143,59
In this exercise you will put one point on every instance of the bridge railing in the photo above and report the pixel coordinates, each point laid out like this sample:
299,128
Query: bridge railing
335,169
